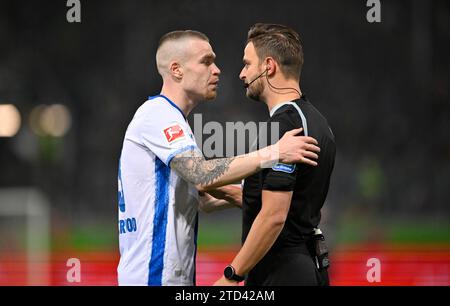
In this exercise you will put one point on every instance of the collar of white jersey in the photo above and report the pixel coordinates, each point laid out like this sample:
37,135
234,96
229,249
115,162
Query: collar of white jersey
170,102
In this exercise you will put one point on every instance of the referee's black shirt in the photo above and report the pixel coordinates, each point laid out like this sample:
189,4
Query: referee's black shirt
309,184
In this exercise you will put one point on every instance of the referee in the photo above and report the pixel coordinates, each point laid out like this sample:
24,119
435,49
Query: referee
282,244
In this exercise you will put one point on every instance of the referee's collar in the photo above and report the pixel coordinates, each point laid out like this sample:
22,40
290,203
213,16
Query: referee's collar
281,104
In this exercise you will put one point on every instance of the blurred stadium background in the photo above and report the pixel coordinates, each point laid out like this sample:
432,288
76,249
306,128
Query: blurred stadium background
68,91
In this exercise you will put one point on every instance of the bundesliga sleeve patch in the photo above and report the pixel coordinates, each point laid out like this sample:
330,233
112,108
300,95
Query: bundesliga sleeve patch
173,133
284,168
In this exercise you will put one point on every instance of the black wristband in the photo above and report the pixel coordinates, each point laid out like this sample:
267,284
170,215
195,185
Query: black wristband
230,274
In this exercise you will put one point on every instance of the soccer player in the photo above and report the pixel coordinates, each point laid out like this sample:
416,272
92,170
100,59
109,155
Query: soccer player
281,204
161,168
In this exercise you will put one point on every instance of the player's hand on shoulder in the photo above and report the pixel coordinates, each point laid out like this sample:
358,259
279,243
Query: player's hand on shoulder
294,149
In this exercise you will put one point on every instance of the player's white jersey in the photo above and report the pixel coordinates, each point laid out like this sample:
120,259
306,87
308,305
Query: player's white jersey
157,208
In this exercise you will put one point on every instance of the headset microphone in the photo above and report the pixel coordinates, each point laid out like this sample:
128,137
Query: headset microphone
246,85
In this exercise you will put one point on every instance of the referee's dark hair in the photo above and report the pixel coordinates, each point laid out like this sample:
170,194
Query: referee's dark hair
280,42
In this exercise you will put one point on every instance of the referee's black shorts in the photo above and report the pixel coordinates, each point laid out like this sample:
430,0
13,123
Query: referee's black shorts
292,266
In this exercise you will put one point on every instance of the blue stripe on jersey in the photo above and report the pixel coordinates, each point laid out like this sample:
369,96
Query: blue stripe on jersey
170,102
195,254
159,223
179,151
121,194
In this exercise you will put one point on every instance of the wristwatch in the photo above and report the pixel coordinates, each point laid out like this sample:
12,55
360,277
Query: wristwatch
230,274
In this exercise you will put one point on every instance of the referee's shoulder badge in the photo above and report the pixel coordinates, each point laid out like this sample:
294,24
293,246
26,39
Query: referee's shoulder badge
280,167
173,133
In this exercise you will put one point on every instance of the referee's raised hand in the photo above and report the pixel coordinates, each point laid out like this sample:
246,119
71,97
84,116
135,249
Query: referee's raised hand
294,149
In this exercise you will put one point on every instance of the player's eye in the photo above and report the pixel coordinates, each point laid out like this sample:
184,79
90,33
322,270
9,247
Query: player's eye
207,61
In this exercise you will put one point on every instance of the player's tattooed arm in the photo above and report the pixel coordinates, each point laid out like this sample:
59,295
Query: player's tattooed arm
208,174
194,168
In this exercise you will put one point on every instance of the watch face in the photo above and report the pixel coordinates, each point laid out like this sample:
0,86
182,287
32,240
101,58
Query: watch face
228,272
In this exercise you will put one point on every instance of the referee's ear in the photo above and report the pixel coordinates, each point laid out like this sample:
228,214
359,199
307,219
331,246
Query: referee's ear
271,66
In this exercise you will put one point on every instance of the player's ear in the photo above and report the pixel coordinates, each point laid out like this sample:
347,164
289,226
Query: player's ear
176,70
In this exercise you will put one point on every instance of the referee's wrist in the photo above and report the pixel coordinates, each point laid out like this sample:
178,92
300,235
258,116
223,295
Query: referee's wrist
230,274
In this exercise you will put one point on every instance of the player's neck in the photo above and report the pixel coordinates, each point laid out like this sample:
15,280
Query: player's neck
180,99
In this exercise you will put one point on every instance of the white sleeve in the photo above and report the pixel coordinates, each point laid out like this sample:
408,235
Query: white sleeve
167,134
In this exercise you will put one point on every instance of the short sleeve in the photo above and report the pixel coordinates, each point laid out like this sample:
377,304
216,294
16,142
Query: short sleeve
166,133
282,177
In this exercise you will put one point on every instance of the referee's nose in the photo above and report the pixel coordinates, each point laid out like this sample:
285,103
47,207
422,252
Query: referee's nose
241,75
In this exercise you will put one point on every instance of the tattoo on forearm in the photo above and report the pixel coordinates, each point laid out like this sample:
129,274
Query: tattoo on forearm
193,167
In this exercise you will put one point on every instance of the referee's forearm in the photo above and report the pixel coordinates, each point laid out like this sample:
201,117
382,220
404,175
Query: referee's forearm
212,205
260,239
230,193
